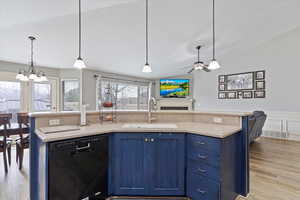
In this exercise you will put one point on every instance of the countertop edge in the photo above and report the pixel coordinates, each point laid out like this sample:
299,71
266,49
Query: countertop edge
70,113
46,139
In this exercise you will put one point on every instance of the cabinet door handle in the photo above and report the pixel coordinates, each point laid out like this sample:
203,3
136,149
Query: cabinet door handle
201,191
202,170
152,140
202,157
146,140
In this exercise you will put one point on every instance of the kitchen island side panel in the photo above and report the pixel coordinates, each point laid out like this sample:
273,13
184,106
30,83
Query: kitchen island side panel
38,157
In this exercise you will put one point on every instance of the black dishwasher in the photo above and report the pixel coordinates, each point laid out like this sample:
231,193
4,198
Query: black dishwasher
78,169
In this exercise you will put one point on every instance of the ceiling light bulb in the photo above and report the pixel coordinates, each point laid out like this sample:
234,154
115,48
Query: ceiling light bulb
44,78
79,64
25,78
19,76
213,65
147,68
32,76
38,79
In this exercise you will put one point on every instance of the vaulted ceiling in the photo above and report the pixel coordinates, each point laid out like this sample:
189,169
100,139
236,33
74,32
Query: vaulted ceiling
113,31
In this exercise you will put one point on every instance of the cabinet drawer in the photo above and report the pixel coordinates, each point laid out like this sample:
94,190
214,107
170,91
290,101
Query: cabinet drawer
199,168
195,142
201,188
201,156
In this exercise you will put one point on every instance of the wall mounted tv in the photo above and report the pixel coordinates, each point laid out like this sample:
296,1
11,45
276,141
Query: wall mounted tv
177,88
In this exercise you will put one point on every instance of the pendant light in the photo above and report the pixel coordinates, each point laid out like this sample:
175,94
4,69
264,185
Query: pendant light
147,68
213,65
79,63
31,74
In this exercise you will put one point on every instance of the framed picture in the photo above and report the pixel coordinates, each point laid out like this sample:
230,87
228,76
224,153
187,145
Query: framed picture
222,95
242,81
222,79
247,95
260,85
260,94
240,94
221,87
260,75
232,95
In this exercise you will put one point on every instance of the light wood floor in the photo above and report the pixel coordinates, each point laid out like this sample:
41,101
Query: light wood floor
274,170
274,173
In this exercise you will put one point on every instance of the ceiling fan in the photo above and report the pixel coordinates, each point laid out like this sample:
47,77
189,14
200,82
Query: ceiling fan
199,65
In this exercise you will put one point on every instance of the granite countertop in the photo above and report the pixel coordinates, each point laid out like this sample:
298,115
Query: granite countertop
212,130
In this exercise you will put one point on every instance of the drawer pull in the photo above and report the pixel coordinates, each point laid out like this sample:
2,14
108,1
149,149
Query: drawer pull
202,170
202,157
201,143
201,191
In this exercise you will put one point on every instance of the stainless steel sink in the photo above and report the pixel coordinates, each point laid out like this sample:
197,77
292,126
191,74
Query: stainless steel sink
149,126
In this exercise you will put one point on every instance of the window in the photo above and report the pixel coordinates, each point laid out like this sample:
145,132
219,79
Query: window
71,95
129,95
41,97
143,100
10,98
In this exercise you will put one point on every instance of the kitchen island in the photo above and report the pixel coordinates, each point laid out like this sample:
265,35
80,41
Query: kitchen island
187,156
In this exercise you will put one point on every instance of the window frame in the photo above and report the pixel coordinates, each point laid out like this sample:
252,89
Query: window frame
122,81
62,92
54,83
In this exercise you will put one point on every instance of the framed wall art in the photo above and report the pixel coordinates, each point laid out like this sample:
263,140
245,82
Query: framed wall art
222,79
222,95
260,75
259,94
221,87
245,85
232,95
242,81
260,85
247,95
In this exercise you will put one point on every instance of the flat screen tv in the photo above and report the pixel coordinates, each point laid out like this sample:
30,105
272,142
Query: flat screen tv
177,88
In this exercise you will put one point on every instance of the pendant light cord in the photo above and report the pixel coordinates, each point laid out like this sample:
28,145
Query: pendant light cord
31,60
147,32
214,33
79,53
199,54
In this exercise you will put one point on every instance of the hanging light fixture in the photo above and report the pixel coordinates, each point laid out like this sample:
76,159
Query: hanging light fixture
213,65
79,63
31,74
147,68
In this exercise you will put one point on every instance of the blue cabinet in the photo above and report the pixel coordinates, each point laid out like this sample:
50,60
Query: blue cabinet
167,164
129,156
212,168
148,164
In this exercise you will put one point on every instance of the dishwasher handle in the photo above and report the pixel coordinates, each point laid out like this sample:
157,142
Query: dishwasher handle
88,146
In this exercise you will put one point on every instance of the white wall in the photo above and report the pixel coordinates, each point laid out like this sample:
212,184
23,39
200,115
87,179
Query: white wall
279,57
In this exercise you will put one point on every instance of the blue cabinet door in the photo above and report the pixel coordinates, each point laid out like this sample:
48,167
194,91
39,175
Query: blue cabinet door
167,164
129,167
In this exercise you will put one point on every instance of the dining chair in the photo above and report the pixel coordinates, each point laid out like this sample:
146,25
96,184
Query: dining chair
5,142
23,141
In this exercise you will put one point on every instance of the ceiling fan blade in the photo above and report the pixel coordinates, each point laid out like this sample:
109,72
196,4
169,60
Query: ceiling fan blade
206,69
191,70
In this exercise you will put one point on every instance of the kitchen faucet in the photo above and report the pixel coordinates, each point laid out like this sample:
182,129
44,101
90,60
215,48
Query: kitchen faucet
151,103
